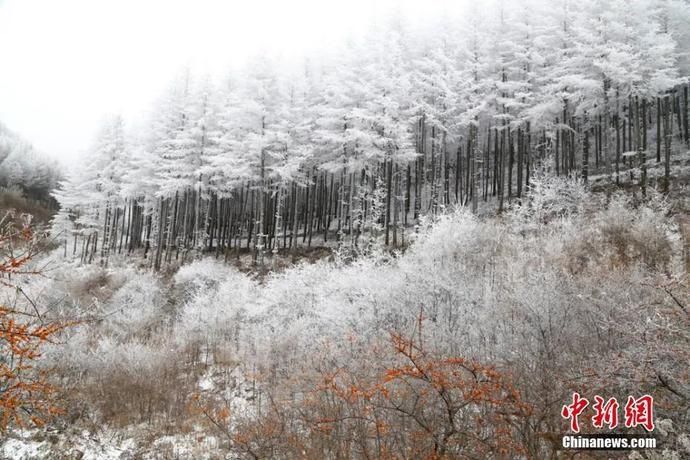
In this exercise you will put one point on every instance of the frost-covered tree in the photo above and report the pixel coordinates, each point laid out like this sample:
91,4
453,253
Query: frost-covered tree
398,123
25,168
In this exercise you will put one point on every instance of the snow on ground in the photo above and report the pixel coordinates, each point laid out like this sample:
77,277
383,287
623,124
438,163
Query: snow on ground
22,449
136,442
108,444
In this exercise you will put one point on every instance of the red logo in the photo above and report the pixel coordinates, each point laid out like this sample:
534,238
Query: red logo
572,411
638,412
606,413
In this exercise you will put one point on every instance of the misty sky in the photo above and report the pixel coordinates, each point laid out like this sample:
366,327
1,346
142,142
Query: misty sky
66,64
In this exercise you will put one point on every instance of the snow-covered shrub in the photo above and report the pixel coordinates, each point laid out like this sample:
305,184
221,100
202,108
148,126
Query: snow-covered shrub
136,381
551,292
619,235
89,284
201,274
218,298
548,197
134,310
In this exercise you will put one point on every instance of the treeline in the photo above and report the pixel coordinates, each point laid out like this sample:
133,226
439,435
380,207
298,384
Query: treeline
23,168
357,145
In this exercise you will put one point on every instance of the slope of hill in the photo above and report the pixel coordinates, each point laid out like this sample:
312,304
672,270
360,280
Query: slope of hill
27,178
568,291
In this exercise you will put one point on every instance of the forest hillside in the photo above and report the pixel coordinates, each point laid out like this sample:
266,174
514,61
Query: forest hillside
498,319
27,180
363,141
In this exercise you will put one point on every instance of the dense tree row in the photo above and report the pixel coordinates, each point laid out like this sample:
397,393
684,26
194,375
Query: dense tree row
23,167
356,145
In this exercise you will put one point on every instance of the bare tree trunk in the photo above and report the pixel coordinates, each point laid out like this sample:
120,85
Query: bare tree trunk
607,128
668,137
475,152
458,173
501,168
556,149
312,208
527,151
350,210
618,149
677,108
389,177
520,161
485,166
408,185
686,124
329,209
585,153
640,147
396,204
161,230
446,172
433,202
659,134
